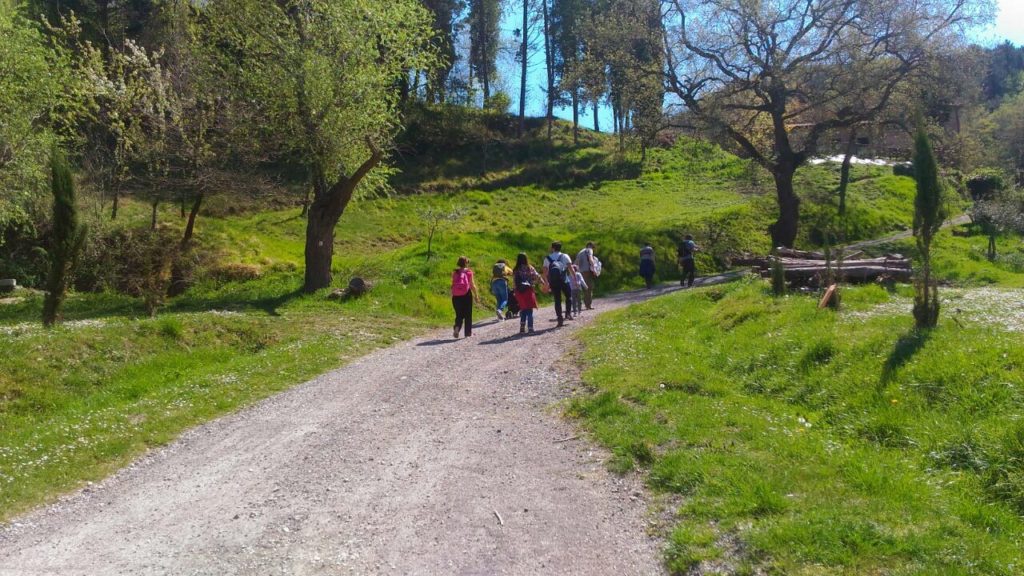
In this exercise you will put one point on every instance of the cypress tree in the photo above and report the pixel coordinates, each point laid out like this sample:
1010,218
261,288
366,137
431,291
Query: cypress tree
928,216
68,237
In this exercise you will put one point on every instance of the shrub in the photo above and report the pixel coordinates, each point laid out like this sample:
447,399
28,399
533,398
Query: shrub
499,102
903,169
985,183
235,272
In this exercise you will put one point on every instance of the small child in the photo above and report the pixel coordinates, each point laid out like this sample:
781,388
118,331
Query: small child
577,285
500,274
524,278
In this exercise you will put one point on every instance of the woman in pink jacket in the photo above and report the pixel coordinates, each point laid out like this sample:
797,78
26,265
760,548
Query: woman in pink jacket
463,294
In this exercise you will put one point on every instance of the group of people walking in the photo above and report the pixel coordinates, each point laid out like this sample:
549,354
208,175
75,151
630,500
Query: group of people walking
574,280
684,257
515,289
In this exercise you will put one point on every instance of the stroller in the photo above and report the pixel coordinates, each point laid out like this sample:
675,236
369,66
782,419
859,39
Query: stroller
513,307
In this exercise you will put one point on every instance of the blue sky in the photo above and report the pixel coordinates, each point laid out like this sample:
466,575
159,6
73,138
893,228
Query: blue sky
1009,25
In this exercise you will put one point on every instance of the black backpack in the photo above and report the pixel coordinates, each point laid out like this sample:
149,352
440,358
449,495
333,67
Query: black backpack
556,275
686,249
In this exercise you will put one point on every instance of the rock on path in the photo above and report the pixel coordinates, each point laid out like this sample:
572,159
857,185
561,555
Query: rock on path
432,457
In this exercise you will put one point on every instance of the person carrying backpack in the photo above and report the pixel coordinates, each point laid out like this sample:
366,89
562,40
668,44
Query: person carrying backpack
556,269
463,294
687,262
524,277
500,273
587,264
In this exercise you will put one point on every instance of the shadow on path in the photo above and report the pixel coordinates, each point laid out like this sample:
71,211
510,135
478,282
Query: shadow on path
515,336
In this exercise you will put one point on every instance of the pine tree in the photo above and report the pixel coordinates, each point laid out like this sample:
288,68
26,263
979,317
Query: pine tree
484,34
446,13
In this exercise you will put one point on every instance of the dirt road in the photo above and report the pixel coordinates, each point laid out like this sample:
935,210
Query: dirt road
435,456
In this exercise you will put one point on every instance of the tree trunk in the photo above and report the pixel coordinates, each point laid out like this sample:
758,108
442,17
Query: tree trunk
328,205
575,116
153,216
783,231
522,82
597,125
844,171
483,53
550,64
430,240
320,225
305,204
113,209
178,281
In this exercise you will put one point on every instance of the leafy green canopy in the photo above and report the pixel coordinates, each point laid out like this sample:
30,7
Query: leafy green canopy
31,81
317,77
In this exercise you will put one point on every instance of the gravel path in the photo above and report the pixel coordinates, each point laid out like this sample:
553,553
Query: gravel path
435,456
957,221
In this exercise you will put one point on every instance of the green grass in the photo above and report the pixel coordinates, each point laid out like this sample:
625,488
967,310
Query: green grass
804,441
120,386
959,257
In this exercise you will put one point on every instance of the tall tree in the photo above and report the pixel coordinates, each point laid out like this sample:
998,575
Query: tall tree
566,29
38,100
624,54
775,76
68,237
1006,133
319,79
928,216
524,51
549,65
445,16
485,38
1005,67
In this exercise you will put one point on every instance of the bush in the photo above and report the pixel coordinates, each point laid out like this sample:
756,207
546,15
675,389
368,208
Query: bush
985,184
499,102
903,169
132,261
235,272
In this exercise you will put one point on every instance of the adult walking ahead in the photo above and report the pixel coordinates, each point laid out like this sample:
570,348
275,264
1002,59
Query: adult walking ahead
463,294
588,267
556,269
647,264
686,261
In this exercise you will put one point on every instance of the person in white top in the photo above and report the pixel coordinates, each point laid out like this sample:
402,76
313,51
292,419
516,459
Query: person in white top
647,264
556,270
585,263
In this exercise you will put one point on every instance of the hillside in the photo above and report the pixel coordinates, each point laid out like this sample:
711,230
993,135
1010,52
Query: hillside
80,401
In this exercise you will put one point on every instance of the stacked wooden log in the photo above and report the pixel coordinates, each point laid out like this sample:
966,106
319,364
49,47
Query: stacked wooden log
812,268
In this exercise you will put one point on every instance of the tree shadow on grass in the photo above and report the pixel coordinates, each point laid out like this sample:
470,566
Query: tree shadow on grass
268,303
906,347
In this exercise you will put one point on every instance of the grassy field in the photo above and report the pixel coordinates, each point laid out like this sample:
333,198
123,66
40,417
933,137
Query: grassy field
79,401
793,440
